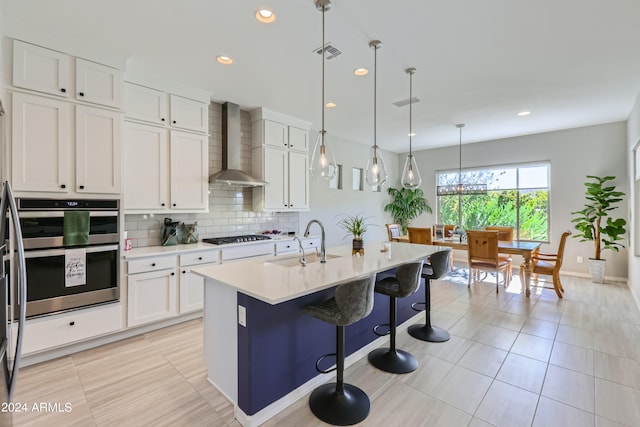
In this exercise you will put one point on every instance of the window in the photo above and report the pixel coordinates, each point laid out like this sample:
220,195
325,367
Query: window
517,196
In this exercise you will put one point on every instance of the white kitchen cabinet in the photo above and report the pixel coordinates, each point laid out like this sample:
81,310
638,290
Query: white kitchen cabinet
48,332
98,84
189,114
280,157
40,69
146,104
49,71
152,290
191,284
41,144
164,170
161,108
43,149
98,147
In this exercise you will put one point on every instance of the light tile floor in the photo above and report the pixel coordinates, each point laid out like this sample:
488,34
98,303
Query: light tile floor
511,361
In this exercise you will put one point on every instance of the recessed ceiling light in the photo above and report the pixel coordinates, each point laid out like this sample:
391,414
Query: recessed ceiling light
524,113
265,16
330,105
360,72
224,60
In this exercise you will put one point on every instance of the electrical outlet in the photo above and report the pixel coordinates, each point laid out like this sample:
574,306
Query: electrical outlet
579,259
242,316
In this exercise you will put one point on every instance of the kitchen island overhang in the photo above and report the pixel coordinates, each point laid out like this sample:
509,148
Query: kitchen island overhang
260,348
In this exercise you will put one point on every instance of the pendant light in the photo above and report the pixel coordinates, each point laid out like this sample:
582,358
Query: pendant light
461,189
410,174
376,173
323,162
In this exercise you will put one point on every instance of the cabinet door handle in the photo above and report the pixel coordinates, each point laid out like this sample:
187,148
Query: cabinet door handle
161,204
162,119
72,323
63,186
82,187
184,272
63,90
174,122
153,264
81,94
174,204
173,273
199,258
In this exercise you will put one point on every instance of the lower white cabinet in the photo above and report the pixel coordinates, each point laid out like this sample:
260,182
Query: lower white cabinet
192,285
48,332
152,296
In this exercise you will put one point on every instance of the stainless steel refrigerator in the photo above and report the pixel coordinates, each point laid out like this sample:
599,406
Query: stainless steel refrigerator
12,253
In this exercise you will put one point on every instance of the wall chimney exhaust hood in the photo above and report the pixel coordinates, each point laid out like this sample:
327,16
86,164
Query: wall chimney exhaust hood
231,174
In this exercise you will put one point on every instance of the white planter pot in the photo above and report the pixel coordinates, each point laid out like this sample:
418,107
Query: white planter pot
596,268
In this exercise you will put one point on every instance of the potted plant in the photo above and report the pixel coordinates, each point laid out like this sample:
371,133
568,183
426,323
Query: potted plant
406,205
594,222
356,226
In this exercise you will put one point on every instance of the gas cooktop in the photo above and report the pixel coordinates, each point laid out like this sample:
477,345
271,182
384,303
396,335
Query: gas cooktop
235,239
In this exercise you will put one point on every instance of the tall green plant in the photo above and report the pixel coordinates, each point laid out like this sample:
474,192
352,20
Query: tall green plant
593,222
406,205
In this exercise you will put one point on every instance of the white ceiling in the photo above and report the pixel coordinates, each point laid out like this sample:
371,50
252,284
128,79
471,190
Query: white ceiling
570,62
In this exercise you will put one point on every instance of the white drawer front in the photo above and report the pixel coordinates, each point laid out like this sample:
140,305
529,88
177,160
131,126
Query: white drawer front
54,331
152,264
250,250
287,246
311,242
197,258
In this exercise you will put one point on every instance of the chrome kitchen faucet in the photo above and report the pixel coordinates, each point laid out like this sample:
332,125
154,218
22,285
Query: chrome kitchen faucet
323,254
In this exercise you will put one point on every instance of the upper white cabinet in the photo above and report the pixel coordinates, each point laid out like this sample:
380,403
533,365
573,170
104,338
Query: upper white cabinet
43,148
154,106
280,157
164,170
52,72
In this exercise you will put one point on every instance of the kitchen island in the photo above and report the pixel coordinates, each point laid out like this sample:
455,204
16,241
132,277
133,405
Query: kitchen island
260,348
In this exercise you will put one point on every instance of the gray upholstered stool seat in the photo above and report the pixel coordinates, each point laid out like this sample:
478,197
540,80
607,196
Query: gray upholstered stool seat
438,266
404,283
339,403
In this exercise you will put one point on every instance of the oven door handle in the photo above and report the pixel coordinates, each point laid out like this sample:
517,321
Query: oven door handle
60,214
62,251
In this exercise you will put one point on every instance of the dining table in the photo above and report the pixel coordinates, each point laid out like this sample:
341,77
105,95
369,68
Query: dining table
516,247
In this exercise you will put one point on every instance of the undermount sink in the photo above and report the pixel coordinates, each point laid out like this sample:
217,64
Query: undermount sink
295,261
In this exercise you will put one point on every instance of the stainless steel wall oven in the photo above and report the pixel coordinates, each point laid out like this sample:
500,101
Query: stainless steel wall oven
49,261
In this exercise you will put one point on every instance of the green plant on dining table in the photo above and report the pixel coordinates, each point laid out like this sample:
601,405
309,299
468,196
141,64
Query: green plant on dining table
355,225
594,222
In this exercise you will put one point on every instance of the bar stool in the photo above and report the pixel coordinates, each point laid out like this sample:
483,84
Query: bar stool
339,403
405,282
438,266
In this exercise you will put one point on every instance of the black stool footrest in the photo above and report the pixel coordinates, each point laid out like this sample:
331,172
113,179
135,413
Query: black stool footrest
339,408
320,359
394,361
415,304
380,334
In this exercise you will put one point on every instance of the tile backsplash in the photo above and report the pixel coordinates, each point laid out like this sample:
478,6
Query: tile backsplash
230,207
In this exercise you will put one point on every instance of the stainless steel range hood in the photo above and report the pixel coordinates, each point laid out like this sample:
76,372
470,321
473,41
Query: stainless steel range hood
231,174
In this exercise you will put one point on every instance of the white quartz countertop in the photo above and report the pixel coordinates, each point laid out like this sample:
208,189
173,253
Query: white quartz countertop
278,279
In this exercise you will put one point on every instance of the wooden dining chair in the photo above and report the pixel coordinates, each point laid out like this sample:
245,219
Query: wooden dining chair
505,234
482,254
549,265
421,235
393,231
448,228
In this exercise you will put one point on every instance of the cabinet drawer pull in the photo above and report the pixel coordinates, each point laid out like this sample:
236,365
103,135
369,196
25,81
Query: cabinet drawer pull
63,186
72,323
81,94
82,187
63,90
184,272
174,122
153,264
200,258
173,273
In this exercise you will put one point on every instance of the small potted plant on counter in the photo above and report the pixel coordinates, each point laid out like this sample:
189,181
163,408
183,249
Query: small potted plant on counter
356,226
595,224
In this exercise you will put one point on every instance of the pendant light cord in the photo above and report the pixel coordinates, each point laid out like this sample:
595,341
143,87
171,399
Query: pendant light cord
375,99
323,47
410,110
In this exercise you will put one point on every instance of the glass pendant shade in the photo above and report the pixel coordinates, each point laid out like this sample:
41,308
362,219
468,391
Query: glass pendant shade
323,162
410,174
376,171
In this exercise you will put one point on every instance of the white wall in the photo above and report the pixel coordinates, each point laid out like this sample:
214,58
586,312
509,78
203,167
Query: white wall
327,205
633,136
573,154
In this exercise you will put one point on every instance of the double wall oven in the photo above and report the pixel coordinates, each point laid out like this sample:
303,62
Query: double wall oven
62,277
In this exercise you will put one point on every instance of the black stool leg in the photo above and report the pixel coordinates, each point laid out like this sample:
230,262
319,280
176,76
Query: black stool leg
427,332
391,359
338,403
